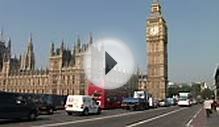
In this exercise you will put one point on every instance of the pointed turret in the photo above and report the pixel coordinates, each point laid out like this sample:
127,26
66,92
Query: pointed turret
20,58
9,42
217,73
30,45
73,56
78,42
15,56
2,35
62,45
5,58
9,46
74,48
52,50
90,38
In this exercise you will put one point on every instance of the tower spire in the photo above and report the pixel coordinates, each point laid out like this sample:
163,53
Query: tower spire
62,45
2,35
30,45
9,46
156,7
90,38
30,39
52,50
78,42
156,1
9,42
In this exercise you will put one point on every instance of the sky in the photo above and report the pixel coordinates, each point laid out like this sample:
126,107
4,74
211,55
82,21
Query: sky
193,45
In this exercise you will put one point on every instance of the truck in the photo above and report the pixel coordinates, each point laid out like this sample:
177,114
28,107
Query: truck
142,95
139,101
185,99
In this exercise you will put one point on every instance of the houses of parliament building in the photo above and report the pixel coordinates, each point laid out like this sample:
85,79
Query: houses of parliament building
64,75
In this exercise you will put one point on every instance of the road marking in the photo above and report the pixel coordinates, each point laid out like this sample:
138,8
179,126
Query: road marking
154,118
191,120
95,119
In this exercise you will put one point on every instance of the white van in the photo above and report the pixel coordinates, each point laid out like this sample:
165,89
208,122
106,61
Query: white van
82,104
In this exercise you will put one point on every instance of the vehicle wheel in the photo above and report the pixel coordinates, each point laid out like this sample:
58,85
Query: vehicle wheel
98,111
86,112
32,116
143,107
132,108
69,113
51,111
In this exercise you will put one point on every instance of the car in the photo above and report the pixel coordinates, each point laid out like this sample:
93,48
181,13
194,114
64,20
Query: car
81,104
156,103
194,101
164,103
15,106
134,104
45,104
172,101
153,103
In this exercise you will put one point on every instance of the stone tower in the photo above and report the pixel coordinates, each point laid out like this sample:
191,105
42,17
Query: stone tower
157,38
28,59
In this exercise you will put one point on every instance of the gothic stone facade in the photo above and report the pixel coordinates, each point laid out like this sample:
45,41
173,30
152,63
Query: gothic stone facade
64,76
156,36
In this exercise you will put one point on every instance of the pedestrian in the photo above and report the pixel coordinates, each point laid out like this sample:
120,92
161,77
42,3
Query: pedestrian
208,106
214,106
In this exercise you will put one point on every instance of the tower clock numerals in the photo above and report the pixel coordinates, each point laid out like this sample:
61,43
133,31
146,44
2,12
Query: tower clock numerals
154,30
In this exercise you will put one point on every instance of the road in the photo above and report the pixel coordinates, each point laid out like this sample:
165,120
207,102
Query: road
160,117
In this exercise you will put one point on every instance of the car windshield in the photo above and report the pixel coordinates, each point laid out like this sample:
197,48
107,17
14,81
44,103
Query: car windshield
130,100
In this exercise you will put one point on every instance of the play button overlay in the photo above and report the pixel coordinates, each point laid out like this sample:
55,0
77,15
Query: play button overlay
108,63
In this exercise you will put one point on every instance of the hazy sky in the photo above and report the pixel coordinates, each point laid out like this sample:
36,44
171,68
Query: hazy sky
193,29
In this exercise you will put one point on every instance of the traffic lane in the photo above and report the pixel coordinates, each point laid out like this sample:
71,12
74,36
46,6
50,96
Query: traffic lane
178,119
59,116
120,120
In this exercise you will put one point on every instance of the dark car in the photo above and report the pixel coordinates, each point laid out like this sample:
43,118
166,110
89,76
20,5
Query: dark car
172,101
164,103
134,104
47,104
15,106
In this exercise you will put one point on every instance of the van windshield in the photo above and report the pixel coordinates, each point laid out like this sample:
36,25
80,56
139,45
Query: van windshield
183,98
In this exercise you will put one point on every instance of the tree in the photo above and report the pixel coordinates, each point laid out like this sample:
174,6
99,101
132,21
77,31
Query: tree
173,91
207,93
185,88
196,89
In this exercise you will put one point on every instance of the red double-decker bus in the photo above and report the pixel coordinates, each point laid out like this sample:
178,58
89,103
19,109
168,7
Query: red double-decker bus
108,99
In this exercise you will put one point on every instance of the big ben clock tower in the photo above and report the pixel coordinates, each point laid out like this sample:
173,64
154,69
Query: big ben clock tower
157,38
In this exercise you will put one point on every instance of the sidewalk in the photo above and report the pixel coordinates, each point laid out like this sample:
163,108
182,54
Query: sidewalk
213,120
202,121
199,119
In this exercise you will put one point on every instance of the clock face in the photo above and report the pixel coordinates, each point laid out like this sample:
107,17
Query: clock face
154,30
